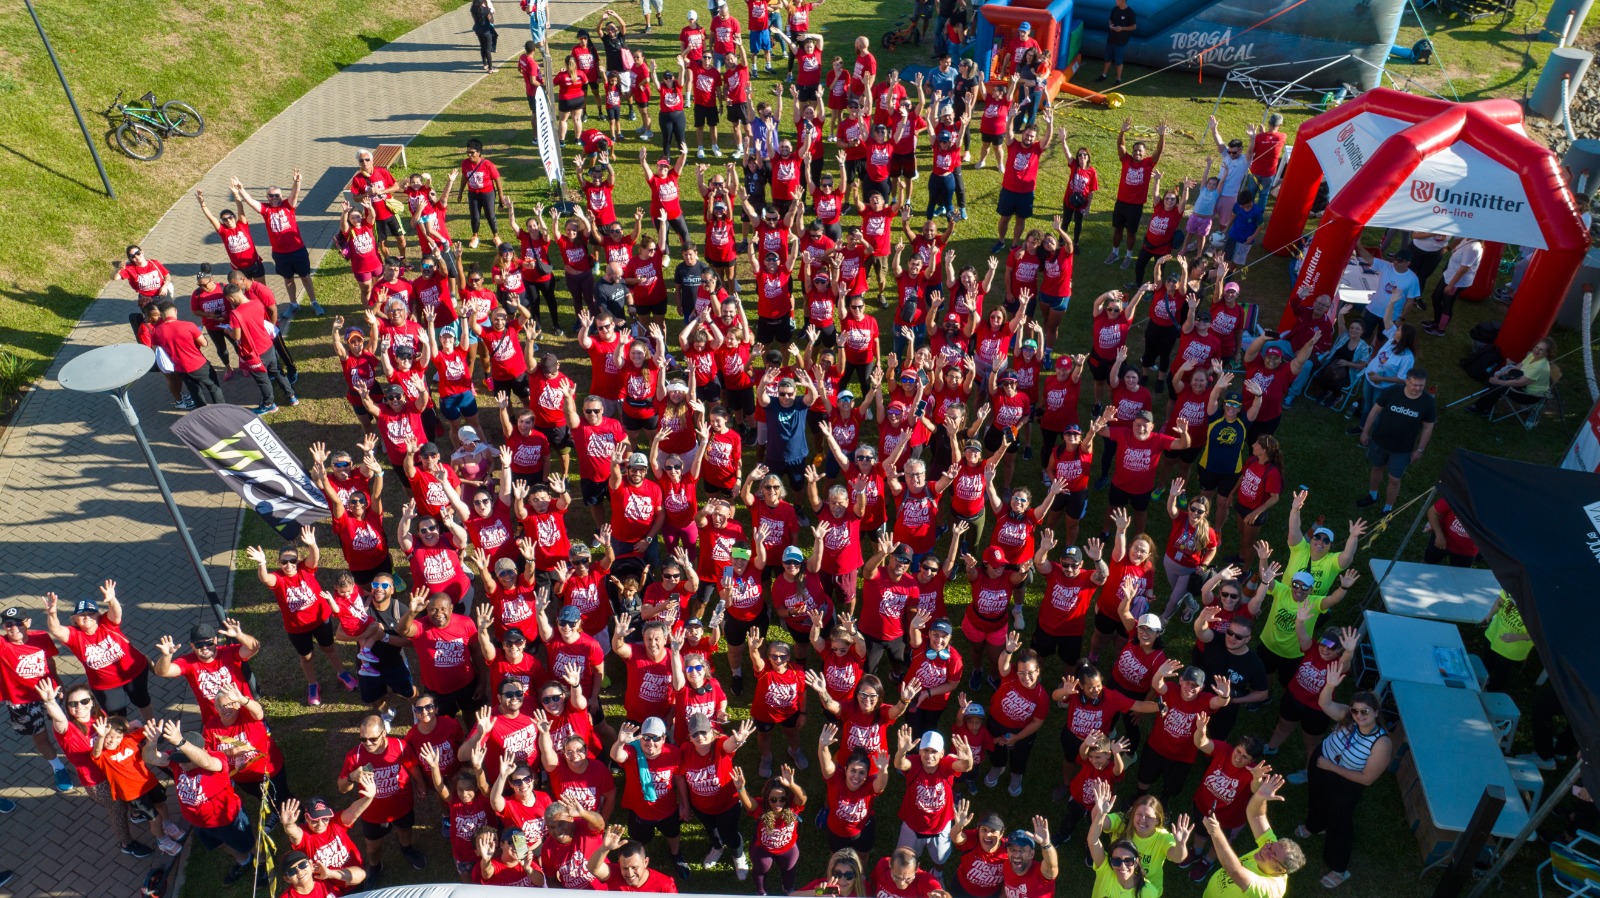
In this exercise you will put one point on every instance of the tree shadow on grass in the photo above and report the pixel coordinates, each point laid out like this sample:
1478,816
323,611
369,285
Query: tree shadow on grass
34,339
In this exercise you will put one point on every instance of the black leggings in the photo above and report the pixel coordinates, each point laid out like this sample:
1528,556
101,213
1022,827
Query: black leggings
580,287
857,371
1443,303
1155,766
488,42
547,291
723,828
1331,809
481,205
1013,757
672,130
137,690
864,844
961,190
1159,339
221,340
1073,217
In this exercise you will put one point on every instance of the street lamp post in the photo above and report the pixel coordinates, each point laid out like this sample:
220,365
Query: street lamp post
112,369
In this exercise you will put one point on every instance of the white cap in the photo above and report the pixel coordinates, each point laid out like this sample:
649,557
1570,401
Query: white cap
1151,621
694,16
933,740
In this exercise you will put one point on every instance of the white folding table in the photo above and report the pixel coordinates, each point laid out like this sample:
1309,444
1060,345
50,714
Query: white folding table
1404,649
1456,754
1435,592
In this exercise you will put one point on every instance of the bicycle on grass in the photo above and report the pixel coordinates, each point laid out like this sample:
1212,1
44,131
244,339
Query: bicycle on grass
144,128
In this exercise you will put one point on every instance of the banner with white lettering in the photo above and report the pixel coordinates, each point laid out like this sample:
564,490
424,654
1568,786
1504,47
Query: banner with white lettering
545,137
1344,151
250,458
1462,192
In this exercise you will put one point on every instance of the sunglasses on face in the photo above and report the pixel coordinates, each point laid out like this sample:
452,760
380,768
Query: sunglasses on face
299,866
694,668
341,464
1123,861
205,644
1233,635
425,709
371,740
651,738
513,696
1229,595
843,874
426,530
80,702
520,780
551,699
383,586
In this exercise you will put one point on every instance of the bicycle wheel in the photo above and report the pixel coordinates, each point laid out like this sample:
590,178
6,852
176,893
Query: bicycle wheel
184,119
139,141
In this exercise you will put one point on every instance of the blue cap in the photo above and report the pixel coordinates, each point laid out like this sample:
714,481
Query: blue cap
85,606
1025,27
1021,837
569,614
793,553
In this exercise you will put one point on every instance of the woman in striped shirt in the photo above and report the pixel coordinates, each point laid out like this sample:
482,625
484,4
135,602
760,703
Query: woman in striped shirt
1352,758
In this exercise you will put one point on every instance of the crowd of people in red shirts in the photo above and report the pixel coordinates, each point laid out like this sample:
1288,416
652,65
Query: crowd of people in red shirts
775,510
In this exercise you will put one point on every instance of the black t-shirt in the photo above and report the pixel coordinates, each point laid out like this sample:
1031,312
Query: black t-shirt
388,618
613,46
1121,17
689,278
1246,674
612,297
947,8
1400,419
958,102
755,183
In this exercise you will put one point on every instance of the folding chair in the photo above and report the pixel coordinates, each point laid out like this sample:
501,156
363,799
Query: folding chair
1528,413
1573,871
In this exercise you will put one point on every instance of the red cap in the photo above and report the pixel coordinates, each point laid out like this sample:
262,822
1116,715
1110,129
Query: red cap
1064,363
995,555
952,318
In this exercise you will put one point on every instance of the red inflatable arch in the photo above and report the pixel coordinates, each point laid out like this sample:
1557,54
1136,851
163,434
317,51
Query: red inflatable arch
1398,160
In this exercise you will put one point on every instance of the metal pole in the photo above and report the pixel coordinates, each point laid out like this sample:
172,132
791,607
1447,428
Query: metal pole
104,179
217,608
1551,799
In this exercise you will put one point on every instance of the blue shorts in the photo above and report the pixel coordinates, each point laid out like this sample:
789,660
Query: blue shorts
1057,303
1115,52
1393,462
761,41
1014,203
294,264
237,834
536,27
456,407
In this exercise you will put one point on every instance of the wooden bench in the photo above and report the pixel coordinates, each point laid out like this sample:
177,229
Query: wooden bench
386,153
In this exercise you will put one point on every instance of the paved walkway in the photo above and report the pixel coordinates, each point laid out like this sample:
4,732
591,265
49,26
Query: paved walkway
77,504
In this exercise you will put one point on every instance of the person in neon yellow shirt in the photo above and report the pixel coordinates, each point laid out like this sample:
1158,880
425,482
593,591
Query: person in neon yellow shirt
1313,553
1264,872
1280,642
1121,872
1509,642
1145,826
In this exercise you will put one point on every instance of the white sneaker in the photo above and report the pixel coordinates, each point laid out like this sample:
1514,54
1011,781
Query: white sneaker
993,779
169,847
712,857
1015,789
741,867
799,758
1112,259
1127,260
717,152
764,769
173,831
700,153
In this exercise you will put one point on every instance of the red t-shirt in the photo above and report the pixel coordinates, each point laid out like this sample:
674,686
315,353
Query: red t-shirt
302,601
480,176
205,679
929,802
1258,483
446,737
444,655
981,873
779,696
206,798
1135,667
1224,788
1134,185
1022,167
596,445
635,509
1066,600
1085,719
649,685
1032,884
392,768
1014,705
848,809
588,788
1457,541
108,659
924,883
1133,470
709,778
661,768
1172,737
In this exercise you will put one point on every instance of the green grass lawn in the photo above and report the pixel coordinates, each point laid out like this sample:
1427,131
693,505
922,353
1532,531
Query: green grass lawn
238,64
1319,454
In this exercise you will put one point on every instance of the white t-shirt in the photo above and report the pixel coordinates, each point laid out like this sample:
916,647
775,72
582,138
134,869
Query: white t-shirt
1467,256
1429,243
1389,361
1231,172
1393,285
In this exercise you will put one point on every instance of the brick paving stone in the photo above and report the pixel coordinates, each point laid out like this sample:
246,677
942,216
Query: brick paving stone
77,504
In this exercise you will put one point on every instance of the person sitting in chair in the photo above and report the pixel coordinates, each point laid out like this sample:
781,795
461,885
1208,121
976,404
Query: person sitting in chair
1524,383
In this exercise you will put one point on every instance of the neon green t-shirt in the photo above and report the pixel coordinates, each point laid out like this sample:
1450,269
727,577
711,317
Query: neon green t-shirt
1223,886
1106,885
1277,628
1326,569
1152,849
1507,619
